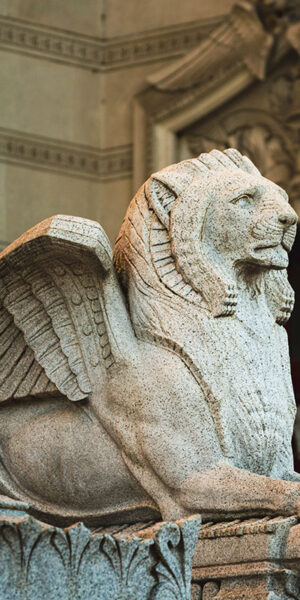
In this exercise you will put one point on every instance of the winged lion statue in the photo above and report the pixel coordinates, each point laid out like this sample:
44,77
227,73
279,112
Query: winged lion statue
154,383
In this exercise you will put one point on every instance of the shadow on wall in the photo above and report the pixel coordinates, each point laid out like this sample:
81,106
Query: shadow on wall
294,340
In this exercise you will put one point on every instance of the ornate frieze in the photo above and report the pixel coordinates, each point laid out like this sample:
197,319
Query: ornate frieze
70,159
101,54
266,128
253,559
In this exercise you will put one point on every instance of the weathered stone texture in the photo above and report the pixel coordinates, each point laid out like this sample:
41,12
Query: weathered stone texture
38,561
256,559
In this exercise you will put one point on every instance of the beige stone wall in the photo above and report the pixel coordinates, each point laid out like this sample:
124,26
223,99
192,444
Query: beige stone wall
69,73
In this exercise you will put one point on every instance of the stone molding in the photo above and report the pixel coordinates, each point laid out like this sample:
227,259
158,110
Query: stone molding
97,54
268,138
157,120
39,152
257,559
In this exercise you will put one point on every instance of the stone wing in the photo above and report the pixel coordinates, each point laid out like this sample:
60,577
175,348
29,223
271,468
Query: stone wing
63,321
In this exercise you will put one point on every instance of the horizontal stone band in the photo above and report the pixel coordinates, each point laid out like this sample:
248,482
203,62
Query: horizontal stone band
74,159
93,53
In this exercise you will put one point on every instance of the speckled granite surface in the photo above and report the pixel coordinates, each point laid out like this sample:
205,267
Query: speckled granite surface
137,562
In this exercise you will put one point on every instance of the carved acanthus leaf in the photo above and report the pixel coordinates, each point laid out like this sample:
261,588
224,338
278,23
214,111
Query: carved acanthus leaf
44,561
176,546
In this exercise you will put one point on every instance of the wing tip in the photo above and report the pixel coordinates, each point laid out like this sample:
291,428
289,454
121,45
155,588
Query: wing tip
76,230
39,230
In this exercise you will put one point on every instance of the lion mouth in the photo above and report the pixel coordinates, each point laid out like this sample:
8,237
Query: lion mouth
267,246
272,235
273,253
285,242
264,247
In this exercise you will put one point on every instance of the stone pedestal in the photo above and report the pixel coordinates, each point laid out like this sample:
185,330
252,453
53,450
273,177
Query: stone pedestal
257,559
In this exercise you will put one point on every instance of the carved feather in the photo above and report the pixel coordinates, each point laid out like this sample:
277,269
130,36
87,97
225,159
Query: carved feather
56,333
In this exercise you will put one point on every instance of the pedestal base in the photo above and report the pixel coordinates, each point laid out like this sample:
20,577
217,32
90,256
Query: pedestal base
257,559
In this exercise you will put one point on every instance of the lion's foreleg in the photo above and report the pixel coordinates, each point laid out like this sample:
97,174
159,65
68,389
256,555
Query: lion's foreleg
185,478
226,491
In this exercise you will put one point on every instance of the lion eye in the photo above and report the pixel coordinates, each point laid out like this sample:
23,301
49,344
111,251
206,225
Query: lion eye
244,200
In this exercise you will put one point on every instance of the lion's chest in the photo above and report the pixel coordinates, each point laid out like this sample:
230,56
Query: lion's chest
251,395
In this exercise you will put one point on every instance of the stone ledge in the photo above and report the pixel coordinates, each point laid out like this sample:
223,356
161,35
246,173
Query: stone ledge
38,152
96,54
256,559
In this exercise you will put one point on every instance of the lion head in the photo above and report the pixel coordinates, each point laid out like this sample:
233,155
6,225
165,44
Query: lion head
198,227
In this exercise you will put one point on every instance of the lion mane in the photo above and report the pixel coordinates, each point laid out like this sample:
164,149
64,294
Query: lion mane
159,250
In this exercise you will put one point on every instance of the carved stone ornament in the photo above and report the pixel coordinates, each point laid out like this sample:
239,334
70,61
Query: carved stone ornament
247,35
39,561
156,384
265,127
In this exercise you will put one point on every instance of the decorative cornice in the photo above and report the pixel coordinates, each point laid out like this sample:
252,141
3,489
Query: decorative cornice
95,54
240,34
167,42
38,152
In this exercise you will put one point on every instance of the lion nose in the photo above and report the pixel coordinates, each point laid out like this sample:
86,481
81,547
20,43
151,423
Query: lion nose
287,218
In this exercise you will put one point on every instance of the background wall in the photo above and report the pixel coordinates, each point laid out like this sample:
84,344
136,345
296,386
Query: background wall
70,71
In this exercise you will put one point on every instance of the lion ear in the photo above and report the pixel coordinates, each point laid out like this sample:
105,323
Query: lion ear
160,198
280,295
164,187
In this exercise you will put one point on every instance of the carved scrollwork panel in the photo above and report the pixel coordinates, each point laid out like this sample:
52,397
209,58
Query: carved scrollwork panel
268,135
175,546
